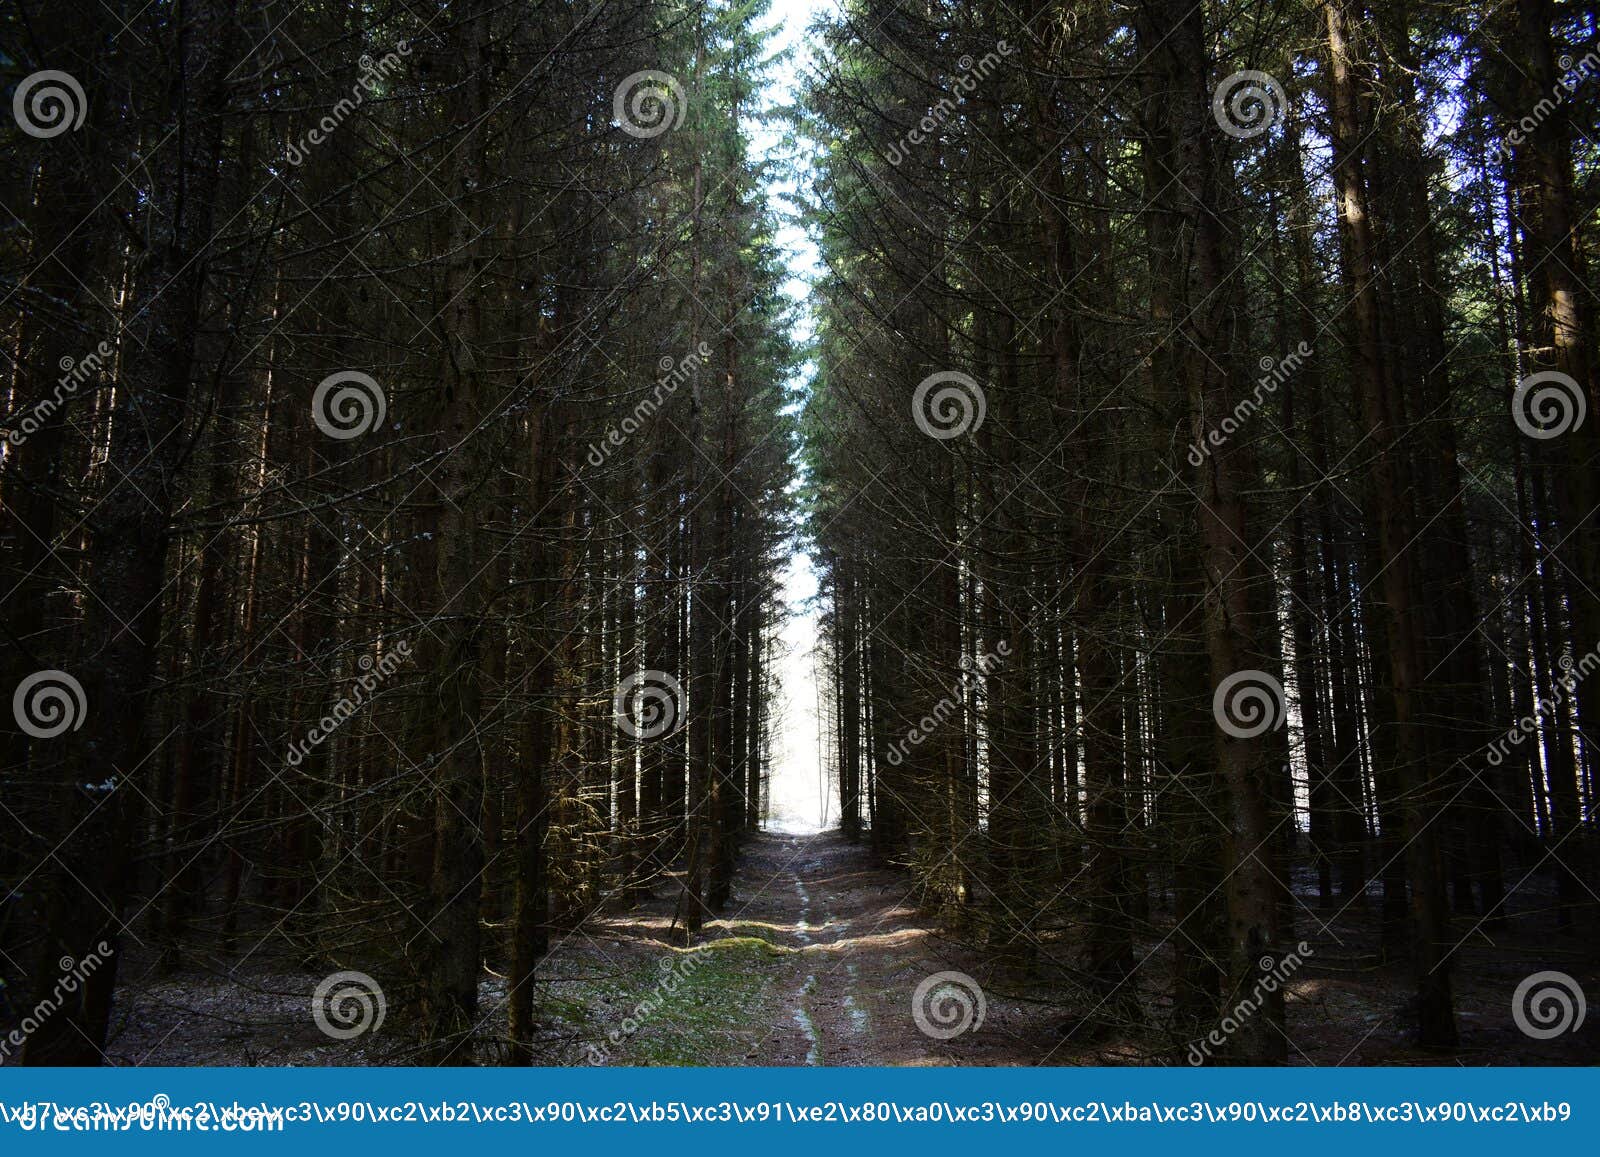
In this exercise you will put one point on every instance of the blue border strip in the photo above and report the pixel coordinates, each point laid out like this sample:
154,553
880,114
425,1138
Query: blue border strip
805,1110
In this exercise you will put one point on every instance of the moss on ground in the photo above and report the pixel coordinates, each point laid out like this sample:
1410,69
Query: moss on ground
759,929
701,1006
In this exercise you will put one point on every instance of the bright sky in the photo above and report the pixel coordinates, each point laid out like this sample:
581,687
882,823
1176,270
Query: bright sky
801,800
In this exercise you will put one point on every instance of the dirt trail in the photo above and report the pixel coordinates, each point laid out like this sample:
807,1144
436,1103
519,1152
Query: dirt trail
838,952
858,953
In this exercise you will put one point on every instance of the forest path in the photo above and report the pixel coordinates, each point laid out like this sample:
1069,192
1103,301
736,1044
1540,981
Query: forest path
853,950
814,961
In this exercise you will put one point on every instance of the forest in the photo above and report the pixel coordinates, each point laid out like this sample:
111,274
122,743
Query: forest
416,415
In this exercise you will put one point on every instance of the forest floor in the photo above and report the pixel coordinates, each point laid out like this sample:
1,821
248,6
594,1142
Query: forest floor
815,962
822,950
